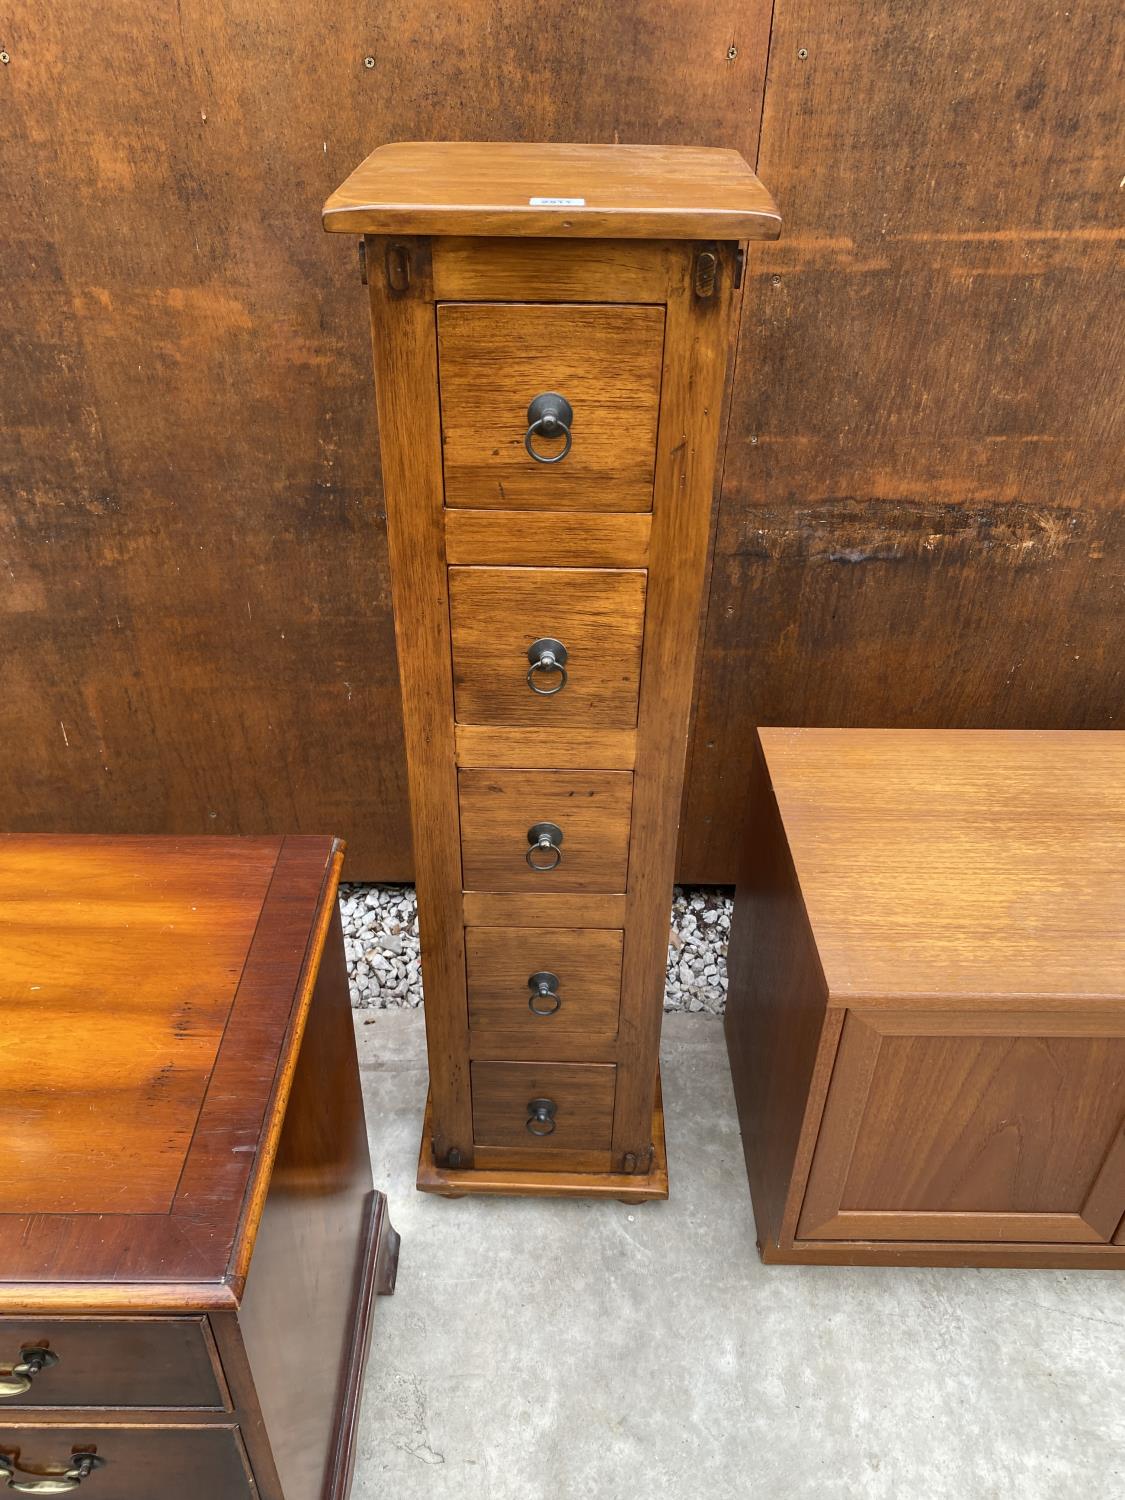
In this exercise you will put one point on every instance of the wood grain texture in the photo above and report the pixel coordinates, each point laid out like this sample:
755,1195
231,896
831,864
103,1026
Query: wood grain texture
946,1062
494,359
543,749
190,1252
572,539
597,613
640,192
591,807
581,1092
196,590
530,909
922,518
961,821
515,270
406,382
586,961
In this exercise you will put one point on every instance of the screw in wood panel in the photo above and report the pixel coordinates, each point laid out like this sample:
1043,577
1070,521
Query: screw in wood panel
368,62
802,53
775,281
4,58
732,52
753,437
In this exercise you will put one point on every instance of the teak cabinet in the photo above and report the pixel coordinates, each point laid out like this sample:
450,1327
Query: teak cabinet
551,331
926,1012
190,1244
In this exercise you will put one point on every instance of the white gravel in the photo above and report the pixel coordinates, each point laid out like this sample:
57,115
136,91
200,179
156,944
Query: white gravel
381,943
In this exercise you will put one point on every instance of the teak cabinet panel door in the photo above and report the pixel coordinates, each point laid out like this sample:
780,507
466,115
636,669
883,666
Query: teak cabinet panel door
586,962
499,808
495,358
496,614
143,1362
137,1463
1012,1124
580,1096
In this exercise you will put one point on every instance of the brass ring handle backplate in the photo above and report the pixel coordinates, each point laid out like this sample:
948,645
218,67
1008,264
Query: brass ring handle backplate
16,1380
545,999
547,655
541,1116
543,852
549,416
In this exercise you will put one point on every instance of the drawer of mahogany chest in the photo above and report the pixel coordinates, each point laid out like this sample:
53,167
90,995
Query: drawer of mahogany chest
547,646
143,1362
545,831
543,982
108,1462
556,1106
504,448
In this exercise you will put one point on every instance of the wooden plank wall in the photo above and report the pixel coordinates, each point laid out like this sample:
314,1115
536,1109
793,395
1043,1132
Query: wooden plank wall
921,520
921,507
194,621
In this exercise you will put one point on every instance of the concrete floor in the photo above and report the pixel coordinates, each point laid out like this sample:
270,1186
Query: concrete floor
544,1350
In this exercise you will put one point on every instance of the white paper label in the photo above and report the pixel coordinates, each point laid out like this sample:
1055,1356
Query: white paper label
557,202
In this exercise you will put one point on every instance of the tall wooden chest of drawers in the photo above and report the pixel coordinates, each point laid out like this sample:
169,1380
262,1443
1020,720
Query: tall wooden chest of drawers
189,1240
551,332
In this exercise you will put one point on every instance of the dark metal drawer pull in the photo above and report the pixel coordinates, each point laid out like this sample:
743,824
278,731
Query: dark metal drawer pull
541,1116
79,1467
547,655
550,415
544,839
544,987
17,1379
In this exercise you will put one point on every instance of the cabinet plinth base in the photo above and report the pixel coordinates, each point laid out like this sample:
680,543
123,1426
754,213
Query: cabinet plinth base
541,1183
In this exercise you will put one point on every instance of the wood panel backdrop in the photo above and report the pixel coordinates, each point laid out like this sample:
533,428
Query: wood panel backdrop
920,518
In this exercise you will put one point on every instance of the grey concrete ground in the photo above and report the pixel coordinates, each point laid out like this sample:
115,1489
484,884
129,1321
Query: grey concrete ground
543,1350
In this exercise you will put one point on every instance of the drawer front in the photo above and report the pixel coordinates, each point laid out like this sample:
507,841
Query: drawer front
574,1103
122,1362
498,615
494,359
499,809
578,988
134,1463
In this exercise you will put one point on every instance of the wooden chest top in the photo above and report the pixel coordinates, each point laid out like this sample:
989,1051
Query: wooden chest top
584,191
989,864
153,993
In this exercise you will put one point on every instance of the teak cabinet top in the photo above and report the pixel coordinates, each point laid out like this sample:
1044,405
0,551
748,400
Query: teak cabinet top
153,994
508,188
958,862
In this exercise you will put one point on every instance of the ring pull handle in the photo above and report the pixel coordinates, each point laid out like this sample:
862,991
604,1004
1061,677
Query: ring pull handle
549,416
547,655
16,1380
543,851
79,1467
544,988
541,1116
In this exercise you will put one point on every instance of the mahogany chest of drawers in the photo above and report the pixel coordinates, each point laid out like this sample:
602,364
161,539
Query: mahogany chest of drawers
189,1240
551,332
926,1012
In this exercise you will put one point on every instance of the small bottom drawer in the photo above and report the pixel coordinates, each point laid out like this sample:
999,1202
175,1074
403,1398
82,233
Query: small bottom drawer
543,1106
129,1463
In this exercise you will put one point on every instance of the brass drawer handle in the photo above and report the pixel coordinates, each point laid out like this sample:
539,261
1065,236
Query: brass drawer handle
544,838
541,1116
547,655
17,1379
79,1467
544,987
549,415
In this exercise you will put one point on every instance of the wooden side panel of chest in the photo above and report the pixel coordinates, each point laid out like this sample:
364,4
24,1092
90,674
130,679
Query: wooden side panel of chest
545,792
